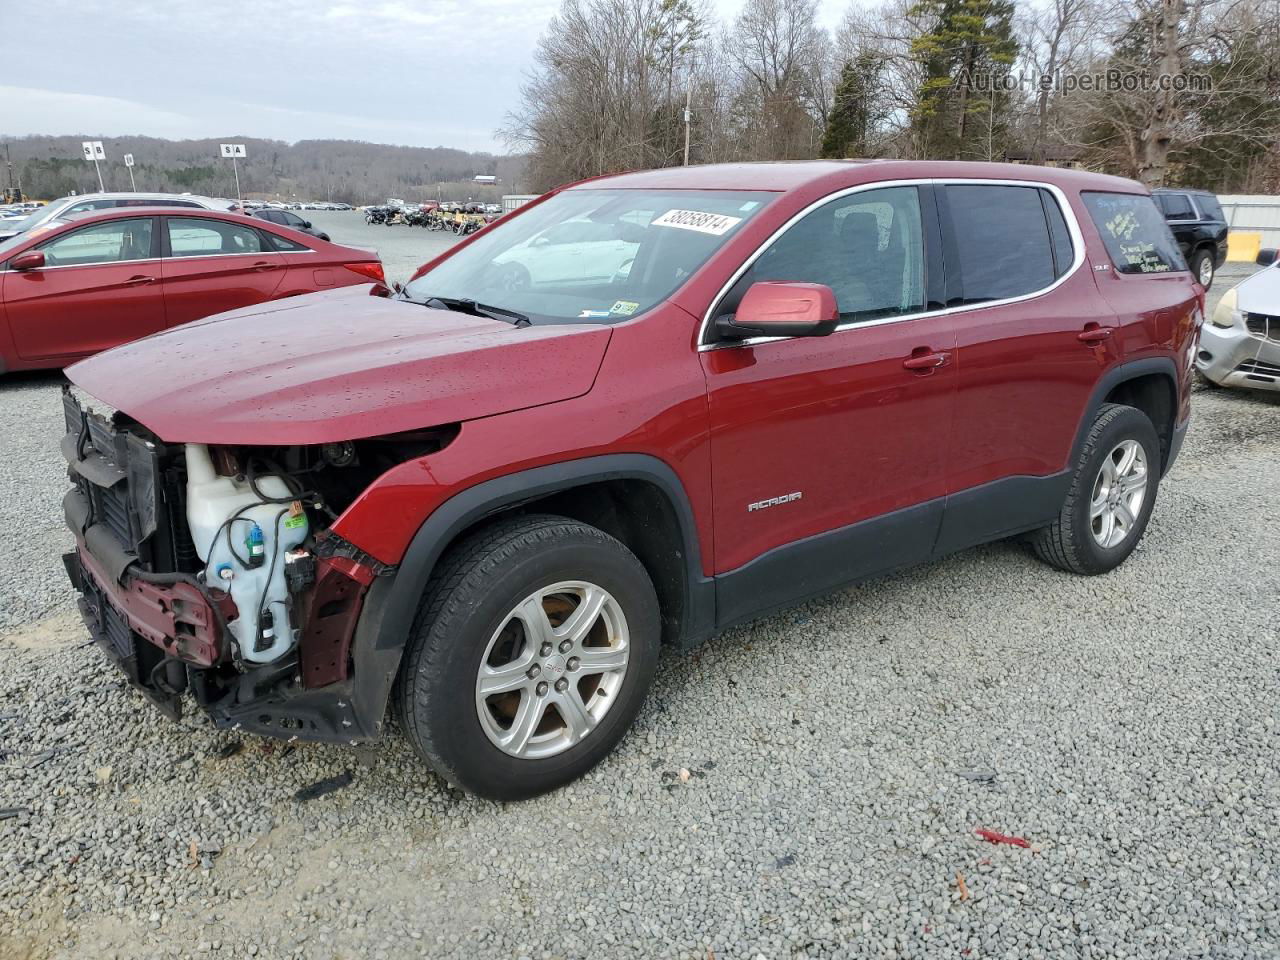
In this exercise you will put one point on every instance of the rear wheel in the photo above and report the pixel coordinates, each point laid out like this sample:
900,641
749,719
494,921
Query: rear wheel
1202,267
533,651
1111,495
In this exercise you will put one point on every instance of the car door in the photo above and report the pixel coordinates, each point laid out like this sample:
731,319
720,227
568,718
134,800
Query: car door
1032,337
828,453
99,287
215,265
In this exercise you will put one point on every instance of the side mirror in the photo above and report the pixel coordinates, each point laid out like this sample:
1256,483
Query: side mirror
307,224
31,260
782,310
1266,256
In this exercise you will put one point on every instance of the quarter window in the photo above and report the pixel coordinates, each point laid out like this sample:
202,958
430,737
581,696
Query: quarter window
196,237
1177,206
866,247
115,241
1136,236
1003,239
284,245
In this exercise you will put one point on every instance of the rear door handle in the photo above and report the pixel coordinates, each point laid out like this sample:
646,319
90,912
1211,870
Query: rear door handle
139,281
1093,334
264,266
925,361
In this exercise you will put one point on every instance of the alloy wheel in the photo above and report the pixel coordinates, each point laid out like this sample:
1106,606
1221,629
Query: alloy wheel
1118,494
552,670
1206,272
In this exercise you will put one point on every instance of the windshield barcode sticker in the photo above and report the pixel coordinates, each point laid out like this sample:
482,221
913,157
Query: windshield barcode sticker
716,224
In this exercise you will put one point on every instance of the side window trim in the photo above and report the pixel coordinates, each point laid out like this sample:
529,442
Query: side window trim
1068,213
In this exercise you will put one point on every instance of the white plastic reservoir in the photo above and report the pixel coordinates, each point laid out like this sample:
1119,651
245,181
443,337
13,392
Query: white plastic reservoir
212,501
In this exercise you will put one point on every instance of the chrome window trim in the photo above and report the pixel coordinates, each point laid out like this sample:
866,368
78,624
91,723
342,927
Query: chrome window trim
1068,214
80,266
198,256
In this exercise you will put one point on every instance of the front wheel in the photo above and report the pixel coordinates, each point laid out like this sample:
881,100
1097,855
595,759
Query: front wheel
531,655
1111,495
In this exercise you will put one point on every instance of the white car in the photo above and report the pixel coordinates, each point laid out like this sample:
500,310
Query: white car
575,251
69,206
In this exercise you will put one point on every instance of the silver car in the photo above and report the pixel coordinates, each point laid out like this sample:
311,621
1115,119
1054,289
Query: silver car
85,202
1240,345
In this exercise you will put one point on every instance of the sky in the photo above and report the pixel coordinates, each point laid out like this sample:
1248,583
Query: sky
416,72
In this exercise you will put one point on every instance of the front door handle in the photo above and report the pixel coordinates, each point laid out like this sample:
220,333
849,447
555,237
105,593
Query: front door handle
139,281
1093,334
924,362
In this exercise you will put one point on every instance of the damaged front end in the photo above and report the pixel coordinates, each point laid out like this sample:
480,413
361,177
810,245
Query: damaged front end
211,572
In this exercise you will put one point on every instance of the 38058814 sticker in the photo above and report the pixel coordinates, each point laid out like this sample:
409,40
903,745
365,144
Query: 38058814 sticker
716,224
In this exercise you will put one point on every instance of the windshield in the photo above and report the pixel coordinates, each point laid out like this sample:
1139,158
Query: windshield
37,215
591,255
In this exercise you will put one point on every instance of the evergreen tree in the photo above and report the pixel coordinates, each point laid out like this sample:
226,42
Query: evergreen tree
850,122
961,106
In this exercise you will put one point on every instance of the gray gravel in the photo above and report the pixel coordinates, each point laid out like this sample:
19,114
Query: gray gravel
807,786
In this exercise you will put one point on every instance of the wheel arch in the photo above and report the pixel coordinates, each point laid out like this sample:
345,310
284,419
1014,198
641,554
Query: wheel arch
634,497
1150,385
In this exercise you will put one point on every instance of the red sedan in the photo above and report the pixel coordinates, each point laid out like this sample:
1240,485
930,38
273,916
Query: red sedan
80,286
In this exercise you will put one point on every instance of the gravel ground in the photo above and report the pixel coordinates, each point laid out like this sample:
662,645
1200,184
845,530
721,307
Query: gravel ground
806,786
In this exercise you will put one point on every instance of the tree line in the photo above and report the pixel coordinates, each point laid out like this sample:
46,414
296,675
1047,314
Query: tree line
1170,92
344,170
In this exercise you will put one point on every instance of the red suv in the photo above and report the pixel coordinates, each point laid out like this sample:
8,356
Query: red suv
489,498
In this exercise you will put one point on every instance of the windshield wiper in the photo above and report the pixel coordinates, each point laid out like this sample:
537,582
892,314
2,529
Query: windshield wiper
464,305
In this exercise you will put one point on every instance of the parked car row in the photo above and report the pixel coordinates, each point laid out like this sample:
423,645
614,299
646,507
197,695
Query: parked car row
331,205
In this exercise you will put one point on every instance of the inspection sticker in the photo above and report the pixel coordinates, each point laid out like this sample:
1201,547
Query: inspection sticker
624,307
716,224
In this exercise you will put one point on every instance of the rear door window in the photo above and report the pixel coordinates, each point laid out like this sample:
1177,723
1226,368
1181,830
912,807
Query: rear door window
1003,240
196,237
1136,236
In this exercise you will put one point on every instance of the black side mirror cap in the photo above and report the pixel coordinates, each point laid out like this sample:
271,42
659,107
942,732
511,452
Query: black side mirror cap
1266,256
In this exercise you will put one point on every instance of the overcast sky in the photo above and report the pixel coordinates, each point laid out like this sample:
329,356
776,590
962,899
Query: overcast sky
418,72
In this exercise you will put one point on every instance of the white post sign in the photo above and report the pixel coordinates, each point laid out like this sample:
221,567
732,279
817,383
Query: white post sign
234,151
93,151
128,162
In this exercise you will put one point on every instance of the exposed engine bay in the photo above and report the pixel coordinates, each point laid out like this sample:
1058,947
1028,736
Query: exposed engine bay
212,571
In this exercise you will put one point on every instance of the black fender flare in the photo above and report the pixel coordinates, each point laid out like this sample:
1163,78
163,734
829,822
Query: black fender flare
392,603
464,509
1121,373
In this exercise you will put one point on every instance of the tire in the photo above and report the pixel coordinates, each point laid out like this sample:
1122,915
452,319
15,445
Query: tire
1074,541
1202,267
467,623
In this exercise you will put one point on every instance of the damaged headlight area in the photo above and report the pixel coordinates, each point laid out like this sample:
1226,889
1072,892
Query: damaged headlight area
213,571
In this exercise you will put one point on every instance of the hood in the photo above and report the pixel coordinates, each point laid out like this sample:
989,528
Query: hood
1260,293
337,366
